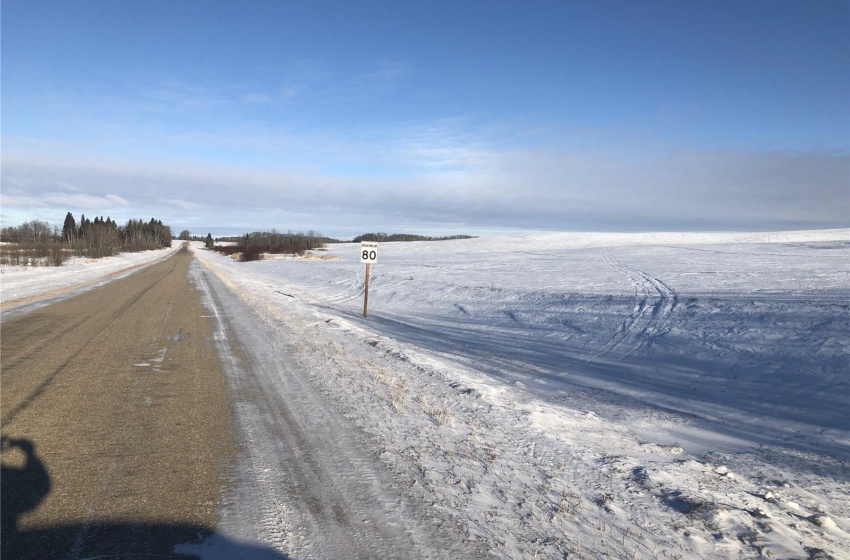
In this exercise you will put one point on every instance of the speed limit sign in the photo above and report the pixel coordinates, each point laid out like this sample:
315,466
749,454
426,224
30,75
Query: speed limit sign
368,256
368,252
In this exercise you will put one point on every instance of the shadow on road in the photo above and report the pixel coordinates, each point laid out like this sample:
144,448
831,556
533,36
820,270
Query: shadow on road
25,484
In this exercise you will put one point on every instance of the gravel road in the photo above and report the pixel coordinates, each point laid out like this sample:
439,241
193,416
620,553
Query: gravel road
115,421
160,415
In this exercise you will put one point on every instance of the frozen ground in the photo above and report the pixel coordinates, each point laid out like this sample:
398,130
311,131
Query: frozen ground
584,395
628,396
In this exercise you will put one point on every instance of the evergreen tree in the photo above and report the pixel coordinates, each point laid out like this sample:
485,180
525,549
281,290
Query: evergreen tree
209,241
69,230
85,224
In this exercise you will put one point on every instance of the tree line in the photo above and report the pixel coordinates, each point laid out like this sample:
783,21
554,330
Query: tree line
101,237
251,246
385,238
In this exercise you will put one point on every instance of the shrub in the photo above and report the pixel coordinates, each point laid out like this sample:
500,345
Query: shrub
57,255
252,253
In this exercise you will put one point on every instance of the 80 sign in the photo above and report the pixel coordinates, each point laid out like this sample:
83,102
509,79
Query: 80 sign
368,252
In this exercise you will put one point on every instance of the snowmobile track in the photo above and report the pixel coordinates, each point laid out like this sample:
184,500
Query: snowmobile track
654,304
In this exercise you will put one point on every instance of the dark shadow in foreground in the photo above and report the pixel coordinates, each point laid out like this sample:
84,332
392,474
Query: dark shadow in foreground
129,542
23,489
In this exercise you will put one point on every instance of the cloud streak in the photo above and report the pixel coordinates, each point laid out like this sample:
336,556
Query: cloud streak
469,189
59,199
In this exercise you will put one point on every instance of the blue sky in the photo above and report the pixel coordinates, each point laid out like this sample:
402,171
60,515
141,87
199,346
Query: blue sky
478,117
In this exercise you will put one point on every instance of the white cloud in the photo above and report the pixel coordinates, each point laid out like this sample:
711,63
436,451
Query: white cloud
182,204
504,189
444,145
60,199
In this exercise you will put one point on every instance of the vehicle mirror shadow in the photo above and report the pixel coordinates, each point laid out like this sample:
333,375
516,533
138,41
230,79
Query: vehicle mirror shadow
25,483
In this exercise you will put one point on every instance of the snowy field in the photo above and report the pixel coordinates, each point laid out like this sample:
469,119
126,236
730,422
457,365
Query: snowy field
21,286
585,395
595,395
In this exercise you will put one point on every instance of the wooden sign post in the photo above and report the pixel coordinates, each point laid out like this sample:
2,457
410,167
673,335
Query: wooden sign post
369,256
366,292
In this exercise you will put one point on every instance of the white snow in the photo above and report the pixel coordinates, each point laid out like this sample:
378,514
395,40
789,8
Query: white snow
590,395
22,285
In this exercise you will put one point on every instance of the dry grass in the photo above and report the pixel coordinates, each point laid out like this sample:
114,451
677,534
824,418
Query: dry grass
34,254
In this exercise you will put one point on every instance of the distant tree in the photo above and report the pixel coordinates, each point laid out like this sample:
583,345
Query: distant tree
39,231
69,230
85,224
94,239
252,246
185,235
383,237
209,241
35,231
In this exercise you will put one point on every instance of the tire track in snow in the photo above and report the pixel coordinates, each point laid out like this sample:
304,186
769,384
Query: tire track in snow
654,305
253,505
662,310
637,313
